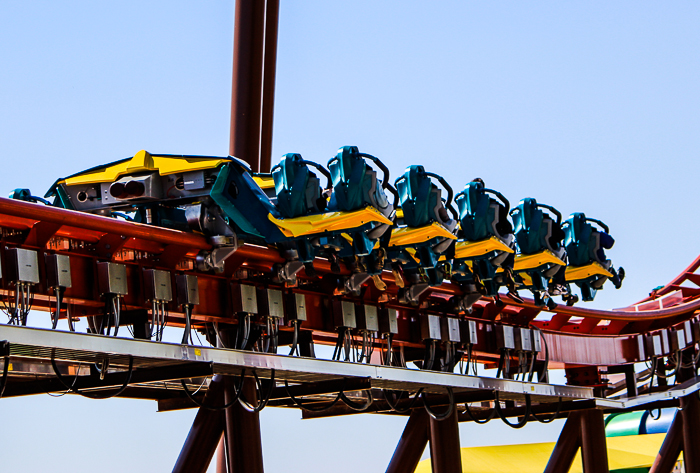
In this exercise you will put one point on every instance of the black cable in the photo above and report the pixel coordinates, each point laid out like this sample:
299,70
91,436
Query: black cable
300,405
295,339
519,424
445,414
262,402
88,395
393,406
492,414
237,391
546,421
355,406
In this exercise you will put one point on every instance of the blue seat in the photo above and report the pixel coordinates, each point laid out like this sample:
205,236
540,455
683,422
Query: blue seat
541,260
297,188
424,228
486,238
585,245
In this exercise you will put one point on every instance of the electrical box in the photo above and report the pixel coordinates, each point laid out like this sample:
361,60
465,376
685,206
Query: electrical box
677,338
344,314
388,320
430,327
450,329
695,324
688,331
653,345
468,331
505,337
296,307
665,342
642,354
187,289
157,285
536,340
112,278
58,271
244,298
22,266
270,302
523,339
367,318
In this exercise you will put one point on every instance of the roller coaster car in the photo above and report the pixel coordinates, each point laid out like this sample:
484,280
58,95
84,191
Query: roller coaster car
540,264
585,246
423,233
486,243
215,196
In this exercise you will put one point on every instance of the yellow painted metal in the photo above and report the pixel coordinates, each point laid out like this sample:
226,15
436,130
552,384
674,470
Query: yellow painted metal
327,222
145,162
412,235
624,453
265,182
575,273
524,262
471,249
412,253
399,213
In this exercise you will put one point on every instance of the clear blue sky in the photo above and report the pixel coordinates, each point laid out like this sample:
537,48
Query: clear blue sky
587,106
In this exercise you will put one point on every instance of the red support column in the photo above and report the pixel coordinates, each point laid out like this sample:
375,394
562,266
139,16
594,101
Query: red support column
207,428
594,451
269,73
567,445
412,443
243,431
445,451
671,448
246,94
690,411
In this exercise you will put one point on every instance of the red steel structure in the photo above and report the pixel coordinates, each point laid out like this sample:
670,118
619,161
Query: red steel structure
590,344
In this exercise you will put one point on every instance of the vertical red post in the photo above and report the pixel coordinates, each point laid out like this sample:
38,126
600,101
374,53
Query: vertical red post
246,93
269,74
594,451
243,431
690,410
412,443
445,452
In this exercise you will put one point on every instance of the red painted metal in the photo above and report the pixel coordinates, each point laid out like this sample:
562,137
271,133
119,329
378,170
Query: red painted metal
671,448
567,445
690,410
412,443
243,431
574,335
594,452
207,428
445,451
246,96
269,70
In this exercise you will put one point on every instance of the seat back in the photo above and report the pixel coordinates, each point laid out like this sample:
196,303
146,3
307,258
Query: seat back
583,242
480,215
420,199
534,230
355,183
298,189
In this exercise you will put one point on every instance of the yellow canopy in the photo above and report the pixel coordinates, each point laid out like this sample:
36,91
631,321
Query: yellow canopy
624,453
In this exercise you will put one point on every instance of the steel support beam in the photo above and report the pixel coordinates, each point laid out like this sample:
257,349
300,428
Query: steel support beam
243,430
567,445
690,411
268,94
207,428
412,443
445,452
673,445
221,466
594,451
246,93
